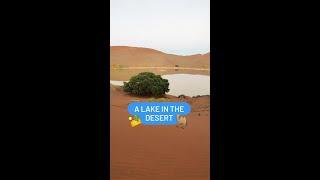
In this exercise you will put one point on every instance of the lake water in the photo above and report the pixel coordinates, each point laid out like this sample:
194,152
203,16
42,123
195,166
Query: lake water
187,84
124,74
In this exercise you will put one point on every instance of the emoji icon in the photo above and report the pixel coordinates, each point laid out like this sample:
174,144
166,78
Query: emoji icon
134,120
182,121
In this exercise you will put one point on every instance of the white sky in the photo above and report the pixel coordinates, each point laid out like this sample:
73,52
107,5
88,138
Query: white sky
173,26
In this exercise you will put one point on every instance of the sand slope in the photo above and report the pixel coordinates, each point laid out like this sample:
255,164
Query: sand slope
159,152
136,56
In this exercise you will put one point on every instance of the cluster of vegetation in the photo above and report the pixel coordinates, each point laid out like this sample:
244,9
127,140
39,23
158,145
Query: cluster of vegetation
117,66
147,84
158,100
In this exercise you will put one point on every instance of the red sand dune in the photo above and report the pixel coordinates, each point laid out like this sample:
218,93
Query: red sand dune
159,152
136,56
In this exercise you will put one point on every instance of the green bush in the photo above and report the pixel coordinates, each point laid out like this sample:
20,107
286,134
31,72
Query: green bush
147,84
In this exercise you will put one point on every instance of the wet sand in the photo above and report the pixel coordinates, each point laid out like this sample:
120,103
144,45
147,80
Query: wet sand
165,68
159,152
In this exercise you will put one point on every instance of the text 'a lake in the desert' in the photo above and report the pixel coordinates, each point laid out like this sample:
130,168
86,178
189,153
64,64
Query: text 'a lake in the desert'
186,84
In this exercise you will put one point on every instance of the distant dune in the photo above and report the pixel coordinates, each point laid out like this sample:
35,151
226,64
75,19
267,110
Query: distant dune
145,57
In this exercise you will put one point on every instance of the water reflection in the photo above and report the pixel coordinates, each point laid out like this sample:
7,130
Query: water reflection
188,84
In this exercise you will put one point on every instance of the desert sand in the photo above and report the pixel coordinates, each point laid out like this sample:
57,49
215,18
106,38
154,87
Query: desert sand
159,152
137,56
126,62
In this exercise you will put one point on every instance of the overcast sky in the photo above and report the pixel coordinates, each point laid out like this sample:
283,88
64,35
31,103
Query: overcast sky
173,26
